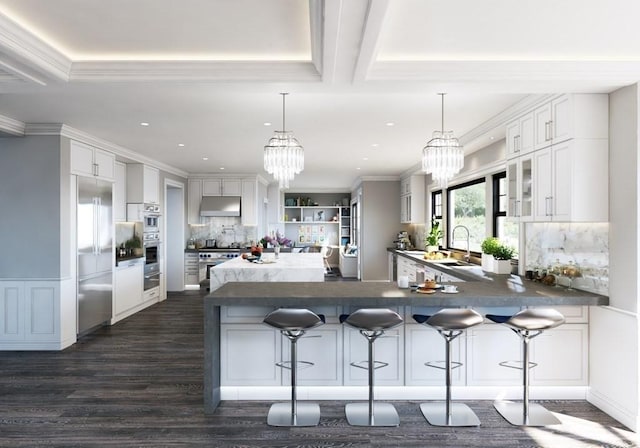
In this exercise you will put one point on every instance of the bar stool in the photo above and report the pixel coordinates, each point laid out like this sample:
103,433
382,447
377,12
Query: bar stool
527,324
450,323
372,323
293,324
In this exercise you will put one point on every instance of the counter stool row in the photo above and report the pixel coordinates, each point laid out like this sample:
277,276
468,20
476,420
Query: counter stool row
372,324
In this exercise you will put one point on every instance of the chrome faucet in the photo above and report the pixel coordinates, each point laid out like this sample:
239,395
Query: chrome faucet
467,257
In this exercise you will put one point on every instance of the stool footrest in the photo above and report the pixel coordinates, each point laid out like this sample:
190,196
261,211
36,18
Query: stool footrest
300,364
365,364
516,364
442,365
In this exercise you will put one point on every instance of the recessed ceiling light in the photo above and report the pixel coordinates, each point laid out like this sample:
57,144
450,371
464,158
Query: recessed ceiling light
266,123
365,158
205,158
375,145
181,145
491,138
390,123
358,168
144,123
221,167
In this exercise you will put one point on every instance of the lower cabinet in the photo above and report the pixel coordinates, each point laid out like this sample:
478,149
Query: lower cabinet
129,296
250,350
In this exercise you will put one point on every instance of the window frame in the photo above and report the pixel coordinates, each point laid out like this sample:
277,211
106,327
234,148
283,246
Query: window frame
480,180
495,194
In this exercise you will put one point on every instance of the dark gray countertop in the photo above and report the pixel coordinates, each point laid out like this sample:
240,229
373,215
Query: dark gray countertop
502,290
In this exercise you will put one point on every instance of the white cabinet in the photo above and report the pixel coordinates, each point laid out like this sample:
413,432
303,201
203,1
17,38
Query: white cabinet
89,161
570,181
143,184
222,187
520,136
412,199
191,268
194,197
128,291
120,192
562,355
389,349
248,204
520,188
248,355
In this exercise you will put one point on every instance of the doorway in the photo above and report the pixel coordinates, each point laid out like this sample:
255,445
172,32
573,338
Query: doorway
174,236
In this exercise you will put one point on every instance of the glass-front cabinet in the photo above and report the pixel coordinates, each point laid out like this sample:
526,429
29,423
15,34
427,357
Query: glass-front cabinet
520,194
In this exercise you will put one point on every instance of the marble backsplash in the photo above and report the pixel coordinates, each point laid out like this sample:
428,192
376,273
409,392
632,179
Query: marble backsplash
583,244
225,230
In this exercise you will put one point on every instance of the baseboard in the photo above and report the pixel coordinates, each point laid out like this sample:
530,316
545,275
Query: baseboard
624,416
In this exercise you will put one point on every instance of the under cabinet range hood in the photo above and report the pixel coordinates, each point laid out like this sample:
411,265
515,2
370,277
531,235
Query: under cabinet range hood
220,206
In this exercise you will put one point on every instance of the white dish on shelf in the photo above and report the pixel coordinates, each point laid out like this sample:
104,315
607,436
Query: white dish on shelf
450,292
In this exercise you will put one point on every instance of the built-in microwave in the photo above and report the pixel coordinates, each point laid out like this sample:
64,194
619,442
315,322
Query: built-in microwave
149,214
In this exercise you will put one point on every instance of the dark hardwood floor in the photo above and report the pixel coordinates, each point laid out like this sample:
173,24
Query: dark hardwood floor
139,384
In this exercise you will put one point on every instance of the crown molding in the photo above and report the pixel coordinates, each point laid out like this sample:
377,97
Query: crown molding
81,136
105,71
11,126
22,46
316,22
613,72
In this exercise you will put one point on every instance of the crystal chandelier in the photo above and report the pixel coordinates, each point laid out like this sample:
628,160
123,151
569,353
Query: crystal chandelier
283,155
443,156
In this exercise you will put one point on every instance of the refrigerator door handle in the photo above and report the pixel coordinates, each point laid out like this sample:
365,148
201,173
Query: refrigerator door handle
96,220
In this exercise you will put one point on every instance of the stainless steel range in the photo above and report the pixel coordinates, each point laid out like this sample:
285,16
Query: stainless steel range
214,257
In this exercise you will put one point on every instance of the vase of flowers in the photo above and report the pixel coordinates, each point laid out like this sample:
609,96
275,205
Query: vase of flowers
275,240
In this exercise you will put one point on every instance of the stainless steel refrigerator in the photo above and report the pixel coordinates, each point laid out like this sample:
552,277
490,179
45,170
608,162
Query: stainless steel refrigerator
95,253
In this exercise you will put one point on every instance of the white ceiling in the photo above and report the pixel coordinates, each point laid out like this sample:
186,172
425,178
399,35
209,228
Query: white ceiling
207,73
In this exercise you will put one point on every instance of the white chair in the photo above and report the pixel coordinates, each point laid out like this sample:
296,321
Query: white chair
326,252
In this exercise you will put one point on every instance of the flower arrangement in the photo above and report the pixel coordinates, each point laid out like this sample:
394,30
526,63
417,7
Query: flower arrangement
275,240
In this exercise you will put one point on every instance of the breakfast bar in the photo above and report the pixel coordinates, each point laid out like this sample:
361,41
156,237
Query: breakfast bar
495,293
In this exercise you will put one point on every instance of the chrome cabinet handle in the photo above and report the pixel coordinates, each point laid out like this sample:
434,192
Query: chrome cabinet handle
516,143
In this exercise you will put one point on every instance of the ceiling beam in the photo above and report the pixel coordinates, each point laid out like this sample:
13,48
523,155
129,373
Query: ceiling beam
371,31
330,39
316,27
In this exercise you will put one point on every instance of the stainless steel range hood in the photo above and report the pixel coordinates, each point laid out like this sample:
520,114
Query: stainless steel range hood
220,206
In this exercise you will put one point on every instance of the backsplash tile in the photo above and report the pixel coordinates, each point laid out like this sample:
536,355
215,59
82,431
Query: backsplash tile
584,244
225,230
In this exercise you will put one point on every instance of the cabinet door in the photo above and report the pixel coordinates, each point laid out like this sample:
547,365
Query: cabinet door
151,185
512,136
249,208
120,192
387,349
543,131
212,187
423,345
231,187
562,182
194,196
561,124
81,159
525,188
487,346
248,353
527,134
562,356
513,181
105,164
128,288
543,193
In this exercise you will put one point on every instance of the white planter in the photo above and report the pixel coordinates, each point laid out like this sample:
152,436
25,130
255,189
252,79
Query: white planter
487,262
502,266
432,249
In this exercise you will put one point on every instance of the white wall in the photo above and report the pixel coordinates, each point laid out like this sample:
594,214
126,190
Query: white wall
613,330
174,238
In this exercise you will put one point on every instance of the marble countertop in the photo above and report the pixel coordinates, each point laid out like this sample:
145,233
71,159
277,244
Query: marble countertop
507,290
284,261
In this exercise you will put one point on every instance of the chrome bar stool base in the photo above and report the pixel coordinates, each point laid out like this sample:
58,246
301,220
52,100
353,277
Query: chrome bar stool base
308,414
384,414
461,414
513,413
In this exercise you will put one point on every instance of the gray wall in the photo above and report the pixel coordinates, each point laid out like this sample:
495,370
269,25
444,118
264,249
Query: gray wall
380,223
30,203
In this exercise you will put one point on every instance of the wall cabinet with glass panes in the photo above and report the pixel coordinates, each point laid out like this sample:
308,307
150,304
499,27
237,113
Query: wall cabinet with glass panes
520,188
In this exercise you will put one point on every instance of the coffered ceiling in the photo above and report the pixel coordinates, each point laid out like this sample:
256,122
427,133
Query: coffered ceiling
206,74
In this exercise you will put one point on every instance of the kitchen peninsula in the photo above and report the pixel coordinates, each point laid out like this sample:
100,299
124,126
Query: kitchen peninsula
562,372
288,267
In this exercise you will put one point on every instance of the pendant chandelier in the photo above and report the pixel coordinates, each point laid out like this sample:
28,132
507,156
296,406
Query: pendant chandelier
443,156
283,155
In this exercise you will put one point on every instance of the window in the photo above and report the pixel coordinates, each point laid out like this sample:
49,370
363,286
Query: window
466,204
503,228
436,207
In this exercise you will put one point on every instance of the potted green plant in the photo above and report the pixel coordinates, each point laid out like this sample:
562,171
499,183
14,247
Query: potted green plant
432,239
502,259
134,244
489,246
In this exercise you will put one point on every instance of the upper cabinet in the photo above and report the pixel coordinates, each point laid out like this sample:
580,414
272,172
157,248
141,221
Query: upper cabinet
89,161
143,184
194,196
564,177
520,135
412,199
222,187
